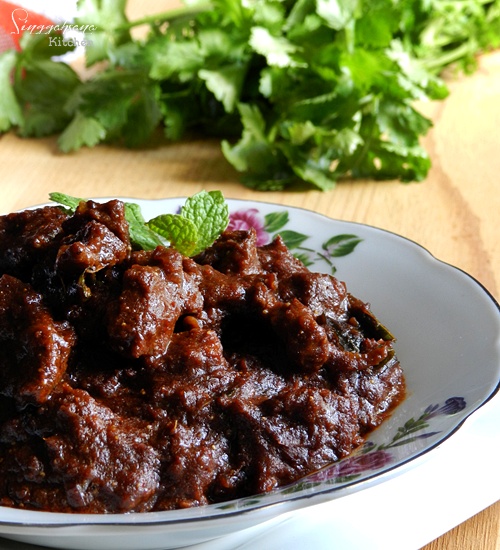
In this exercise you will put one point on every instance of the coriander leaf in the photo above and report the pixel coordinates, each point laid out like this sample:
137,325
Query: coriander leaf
43,46
443,33
366,68
225,83
298,13
300,132
141,236
347,141
253,153
230,12
111,21
316,171
217,44
209,213
394,119
10,110
120,105
42,87
143,117
276,49
82,131
178,112
262,161
413,76
377,26
181,60
181,232
302,92
270,15
338,13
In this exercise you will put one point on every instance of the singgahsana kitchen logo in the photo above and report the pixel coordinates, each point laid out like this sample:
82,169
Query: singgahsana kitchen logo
20,19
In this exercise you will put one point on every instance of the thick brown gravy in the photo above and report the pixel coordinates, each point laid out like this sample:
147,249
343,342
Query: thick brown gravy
133,381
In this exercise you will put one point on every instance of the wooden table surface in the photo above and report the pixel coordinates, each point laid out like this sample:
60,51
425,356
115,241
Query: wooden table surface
454,213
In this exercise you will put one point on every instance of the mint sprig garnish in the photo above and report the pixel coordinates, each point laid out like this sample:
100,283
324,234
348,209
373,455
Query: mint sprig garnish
71,203
199,223
141,236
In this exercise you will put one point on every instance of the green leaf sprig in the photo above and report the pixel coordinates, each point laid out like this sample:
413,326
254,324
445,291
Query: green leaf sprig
300,92
201,220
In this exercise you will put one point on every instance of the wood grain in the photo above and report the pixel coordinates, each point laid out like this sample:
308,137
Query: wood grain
454,213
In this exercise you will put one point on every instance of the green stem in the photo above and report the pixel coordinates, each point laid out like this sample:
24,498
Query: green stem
350,36
439,63
167,16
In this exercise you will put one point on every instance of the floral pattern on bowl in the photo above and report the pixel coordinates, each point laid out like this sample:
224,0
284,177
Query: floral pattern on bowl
370,457
268,226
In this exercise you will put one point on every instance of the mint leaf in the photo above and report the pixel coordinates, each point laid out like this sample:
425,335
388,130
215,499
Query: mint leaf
141,236
202,219
209,213
179,231
66,200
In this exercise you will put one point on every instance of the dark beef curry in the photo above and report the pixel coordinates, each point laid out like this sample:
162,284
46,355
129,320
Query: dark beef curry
133,381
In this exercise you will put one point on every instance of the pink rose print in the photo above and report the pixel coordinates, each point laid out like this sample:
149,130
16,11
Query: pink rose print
246,219
354,465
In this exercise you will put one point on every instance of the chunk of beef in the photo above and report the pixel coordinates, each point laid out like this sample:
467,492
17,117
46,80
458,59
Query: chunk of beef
186,385
143,319
275,257
321,293
278,440
105,460
96,236
233,252
27,237
35,347
110,214
82,453
89,250
141,322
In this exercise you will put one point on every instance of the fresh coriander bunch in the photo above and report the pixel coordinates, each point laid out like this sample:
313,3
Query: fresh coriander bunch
299,92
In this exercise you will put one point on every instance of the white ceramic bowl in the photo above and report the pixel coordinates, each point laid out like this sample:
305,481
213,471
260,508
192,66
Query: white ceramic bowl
448,341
